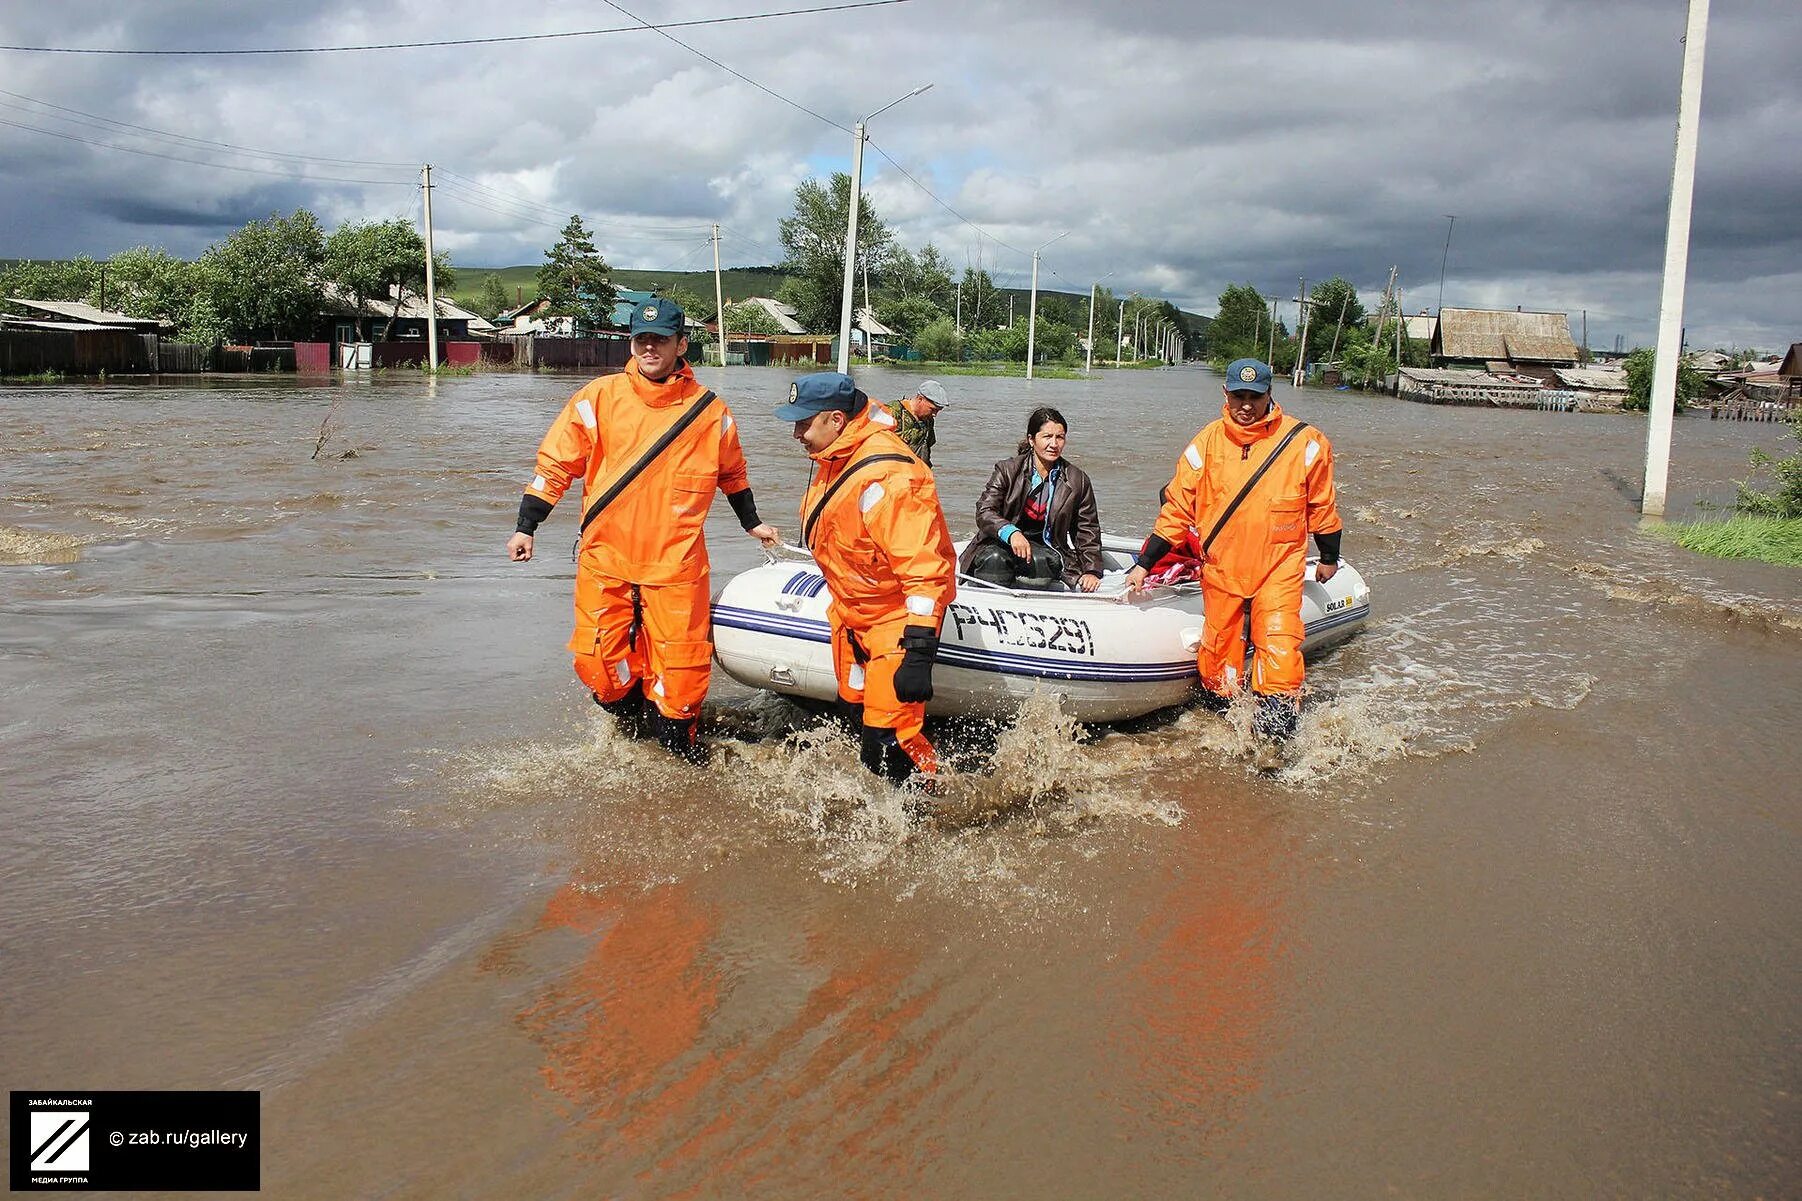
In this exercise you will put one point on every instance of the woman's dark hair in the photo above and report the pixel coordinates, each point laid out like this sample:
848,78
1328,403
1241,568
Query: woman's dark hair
1040,418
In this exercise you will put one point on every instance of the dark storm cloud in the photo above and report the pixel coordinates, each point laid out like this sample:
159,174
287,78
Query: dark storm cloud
1182,145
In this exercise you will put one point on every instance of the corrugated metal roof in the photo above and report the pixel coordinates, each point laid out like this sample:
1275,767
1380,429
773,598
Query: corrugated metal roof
75,310
866,321
1592,379
782,314
1501,334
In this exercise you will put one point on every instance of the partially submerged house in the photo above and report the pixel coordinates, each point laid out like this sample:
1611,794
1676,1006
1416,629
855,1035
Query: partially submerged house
1504,343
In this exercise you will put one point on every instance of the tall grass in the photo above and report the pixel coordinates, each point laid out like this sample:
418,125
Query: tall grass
1767,539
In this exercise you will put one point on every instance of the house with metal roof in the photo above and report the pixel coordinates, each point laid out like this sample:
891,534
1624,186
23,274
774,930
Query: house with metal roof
74,315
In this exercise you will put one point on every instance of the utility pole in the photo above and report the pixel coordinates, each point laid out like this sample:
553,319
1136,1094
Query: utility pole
1032,313
960,308
1676,265
1270,354
1333,354
431,291
844,313
869,344
1089,366
1010,310
1586,337
1301,334
1119,333
1376,343
719,293
1450,220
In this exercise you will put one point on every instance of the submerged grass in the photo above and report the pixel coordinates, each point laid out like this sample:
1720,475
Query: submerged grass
1766,539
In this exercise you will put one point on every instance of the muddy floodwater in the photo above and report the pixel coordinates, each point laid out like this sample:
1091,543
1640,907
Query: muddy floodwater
298,794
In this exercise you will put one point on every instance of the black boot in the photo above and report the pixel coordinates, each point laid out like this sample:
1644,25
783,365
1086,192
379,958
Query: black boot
627,711
1212,701
1275,717
680,737
882,754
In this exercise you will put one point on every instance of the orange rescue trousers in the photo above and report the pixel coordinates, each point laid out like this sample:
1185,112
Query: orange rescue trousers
865,660
635,643
1276,637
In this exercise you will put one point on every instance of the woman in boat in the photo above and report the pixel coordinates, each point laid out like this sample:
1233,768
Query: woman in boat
1040,498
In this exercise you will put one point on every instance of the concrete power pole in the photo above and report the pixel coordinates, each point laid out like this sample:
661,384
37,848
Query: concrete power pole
1089,366
431,290
1032,315
1301,334
1119,333
1676,265
719,294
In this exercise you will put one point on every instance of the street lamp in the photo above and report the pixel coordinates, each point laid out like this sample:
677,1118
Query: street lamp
1089,368
844,313
1032,312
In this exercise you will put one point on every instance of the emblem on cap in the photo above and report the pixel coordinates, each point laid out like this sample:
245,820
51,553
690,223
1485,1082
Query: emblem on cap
794,393
650,312
1248,374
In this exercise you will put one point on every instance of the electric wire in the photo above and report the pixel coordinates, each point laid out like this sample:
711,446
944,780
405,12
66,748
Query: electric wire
796,104
488,41
109,124
175,158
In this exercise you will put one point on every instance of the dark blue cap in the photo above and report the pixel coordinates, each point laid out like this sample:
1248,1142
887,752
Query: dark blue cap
822,392
657,316
1247,375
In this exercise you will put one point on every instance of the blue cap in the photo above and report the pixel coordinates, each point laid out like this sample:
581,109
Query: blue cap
822,392
1247,375
657,316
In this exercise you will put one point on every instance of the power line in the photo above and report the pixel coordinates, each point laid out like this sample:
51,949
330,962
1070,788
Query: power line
519,37
728,70
929,192
175,158
499,197
106,123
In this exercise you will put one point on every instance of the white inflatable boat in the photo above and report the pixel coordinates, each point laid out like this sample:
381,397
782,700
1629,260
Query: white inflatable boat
1107,658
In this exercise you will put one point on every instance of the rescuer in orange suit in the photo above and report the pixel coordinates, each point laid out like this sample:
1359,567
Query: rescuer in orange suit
872,519
1259,557
642,641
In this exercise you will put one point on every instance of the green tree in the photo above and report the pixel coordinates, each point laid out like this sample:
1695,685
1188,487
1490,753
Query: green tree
747,318
382,263
492,300
263,280
71,279
939,342
1336,308
575,279
925,276
979,297
150,283
813,244
1640,365
1240,326
907,316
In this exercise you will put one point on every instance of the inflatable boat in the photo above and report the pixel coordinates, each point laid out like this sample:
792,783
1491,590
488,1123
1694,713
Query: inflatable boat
1107,657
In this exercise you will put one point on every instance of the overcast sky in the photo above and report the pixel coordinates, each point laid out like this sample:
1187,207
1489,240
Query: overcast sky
1183,145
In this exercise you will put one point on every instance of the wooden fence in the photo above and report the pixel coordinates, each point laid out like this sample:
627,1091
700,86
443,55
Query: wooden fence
73,352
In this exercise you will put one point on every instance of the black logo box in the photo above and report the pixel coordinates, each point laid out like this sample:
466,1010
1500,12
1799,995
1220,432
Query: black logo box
134,1160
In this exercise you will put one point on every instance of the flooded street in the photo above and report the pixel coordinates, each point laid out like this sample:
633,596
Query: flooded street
300,794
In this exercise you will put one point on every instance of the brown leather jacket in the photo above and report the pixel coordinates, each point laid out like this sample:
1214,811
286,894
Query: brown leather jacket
1073,521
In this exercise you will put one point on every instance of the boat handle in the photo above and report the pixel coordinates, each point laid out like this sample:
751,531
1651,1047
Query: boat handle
782,675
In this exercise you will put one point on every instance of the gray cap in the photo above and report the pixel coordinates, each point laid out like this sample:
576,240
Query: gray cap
934,391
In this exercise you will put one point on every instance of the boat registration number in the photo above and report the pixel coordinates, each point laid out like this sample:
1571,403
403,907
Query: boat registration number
1037,631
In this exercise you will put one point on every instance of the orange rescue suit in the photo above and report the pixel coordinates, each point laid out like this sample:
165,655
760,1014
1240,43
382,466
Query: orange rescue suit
1260,555
642,608
882,543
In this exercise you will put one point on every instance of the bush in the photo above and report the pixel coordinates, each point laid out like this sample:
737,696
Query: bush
940,342
1640,365
1786,501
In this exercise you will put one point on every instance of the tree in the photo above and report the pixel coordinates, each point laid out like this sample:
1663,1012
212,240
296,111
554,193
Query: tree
575,279
978,298
381,262
747,318
907,316
923,277
1331,297
1240,327
813,242
1640,365
74,279
939,342
264,279
492,300
1785,502
150,283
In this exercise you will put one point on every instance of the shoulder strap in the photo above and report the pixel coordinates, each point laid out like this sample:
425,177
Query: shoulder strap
1233,506
813,518
656,448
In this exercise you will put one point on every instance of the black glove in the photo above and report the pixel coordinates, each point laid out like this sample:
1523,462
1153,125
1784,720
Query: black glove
913,679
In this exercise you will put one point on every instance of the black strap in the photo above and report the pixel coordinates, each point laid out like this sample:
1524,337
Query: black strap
631,473
1251,483
814,517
